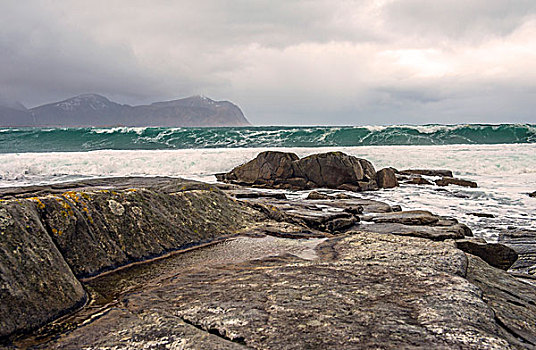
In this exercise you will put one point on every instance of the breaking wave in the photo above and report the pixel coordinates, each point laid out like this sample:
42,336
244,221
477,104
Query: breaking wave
20,140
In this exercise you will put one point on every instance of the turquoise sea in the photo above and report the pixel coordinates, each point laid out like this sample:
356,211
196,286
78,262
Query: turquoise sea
153,138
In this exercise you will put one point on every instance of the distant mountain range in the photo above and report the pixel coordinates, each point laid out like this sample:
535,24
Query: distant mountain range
96,110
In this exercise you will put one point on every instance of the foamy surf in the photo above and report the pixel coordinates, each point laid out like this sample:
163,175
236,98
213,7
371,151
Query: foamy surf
505,174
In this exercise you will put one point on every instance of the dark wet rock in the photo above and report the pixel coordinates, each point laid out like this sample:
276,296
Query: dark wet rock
409,217
317,195
386,178
513,302
497,255
437,233
482,215
524,243
36,284
325,170
220,176
358,209
341,224
533,194
427,172
365,291
445,181
417,180
396,207
255,194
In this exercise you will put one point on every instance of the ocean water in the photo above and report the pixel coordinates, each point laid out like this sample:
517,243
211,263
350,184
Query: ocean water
501,159
126,138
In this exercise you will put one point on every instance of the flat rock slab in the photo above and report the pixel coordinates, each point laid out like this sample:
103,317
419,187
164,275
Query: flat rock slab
454,231
160,183
363,291
512,301
409,217
524,243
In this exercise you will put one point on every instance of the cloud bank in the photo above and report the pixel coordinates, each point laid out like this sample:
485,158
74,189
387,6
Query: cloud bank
284,62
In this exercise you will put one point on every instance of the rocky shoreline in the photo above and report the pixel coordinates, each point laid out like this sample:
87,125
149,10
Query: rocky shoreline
335,271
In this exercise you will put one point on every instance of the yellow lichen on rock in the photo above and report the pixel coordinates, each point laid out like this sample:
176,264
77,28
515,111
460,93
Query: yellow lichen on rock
40,205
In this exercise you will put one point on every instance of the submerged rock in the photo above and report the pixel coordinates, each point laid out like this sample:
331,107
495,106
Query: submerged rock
445,181
317,195
427,172
417,180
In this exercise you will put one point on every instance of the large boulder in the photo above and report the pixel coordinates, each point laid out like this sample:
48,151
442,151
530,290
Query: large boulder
386,178
264,169
324,170
330,170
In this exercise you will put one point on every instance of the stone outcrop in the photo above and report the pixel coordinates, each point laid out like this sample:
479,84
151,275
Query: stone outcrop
326,170
532,194
368,276
513,302
50,239
36,284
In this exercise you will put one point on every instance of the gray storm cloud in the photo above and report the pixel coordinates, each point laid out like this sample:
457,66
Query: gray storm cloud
283,62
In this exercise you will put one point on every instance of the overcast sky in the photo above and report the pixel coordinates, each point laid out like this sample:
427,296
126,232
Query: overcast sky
282,61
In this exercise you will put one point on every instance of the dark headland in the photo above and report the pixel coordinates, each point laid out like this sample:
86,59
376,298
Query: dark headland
129,263
92,110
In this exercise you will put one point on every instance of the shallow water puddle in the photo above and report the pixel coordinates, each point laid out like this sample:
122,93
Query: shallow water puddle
106,291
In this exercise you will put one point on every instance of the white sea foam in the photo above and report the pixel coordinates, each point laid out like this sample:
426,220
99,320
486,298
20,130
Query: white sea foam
505,173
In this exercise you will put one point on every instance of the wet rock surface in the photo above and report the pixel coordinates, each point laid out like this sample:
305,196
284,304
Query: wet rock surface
361,291
47,241
338,272
417,180
524,243
512,301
